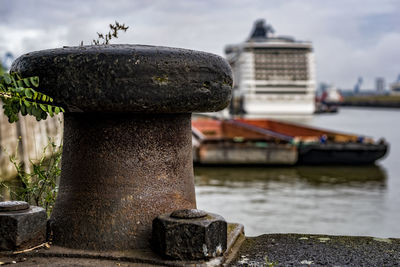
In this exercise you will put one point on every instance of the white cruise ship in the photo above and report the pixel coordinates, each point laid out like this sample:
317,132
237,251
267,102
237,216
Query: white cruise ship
273,75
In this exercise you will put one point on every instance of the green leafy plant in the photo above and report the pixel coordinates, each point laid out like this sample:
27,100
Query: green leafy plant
39,186
18,95
2,69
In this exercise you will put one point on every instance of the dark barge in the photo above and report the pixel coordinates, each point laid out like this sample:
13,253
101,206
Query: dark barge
321,146
271,142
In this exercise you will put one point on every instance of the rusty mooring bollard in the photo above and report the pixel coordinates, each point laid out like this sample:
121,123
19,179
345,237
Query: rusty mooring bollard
127,135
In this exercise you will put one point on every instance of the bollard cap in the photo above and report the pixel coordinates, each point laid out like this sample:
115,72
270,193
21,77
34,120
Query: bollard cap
13,206
130,78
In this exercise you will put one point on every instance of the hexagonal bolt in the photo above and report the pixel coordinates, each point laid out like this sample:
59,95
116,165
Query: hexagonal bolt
189,235
21,226
127,154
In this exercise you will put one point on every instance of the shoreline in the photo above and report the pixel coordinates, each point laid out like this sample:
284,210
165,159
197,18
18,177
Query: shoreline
371,104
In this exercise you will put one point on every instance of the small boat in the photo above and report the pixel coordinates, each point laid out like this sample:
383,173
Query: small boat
329,101
320,146
224,142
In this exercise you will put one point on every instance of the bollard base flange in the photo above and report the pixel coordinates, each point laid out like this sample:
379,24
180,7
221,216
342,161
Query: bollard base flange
143,257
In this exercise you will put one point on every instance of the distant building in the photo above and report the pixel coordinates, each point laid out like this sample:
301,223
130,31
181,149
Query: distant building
395,87
273,75
380,85
357,86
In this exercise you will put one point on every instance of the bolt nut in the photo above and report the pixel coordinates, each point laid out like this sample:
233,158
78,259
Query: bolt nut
189,235
21,226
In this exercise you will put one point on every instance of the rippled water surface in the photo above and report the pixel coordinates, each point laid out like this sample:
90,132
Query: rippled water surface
348,200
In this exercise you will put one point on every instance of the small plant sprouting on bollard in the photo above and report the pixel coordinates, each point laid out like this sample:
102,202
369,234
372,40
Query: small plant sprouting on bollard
113,33
18,95
39,186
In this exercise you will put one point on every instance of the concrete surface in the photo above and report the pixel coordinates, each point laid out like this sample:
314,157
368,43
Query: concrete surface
318,250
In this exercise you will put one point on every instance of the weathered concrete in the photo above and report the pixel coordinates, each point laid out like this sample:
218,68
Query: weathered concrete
265,250
21,226
189,235
127,138
318,250
59,256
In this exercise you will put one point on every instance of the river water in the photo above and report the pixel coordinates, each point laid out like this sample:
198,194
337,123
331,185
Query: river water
339,200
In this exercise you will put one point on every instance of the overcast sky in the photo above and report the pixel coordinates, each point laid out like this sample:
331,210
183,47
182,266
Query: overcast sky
351,38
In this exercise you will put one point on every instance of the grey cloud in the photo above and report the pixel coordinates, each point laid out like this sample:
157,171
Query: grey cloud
351,37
